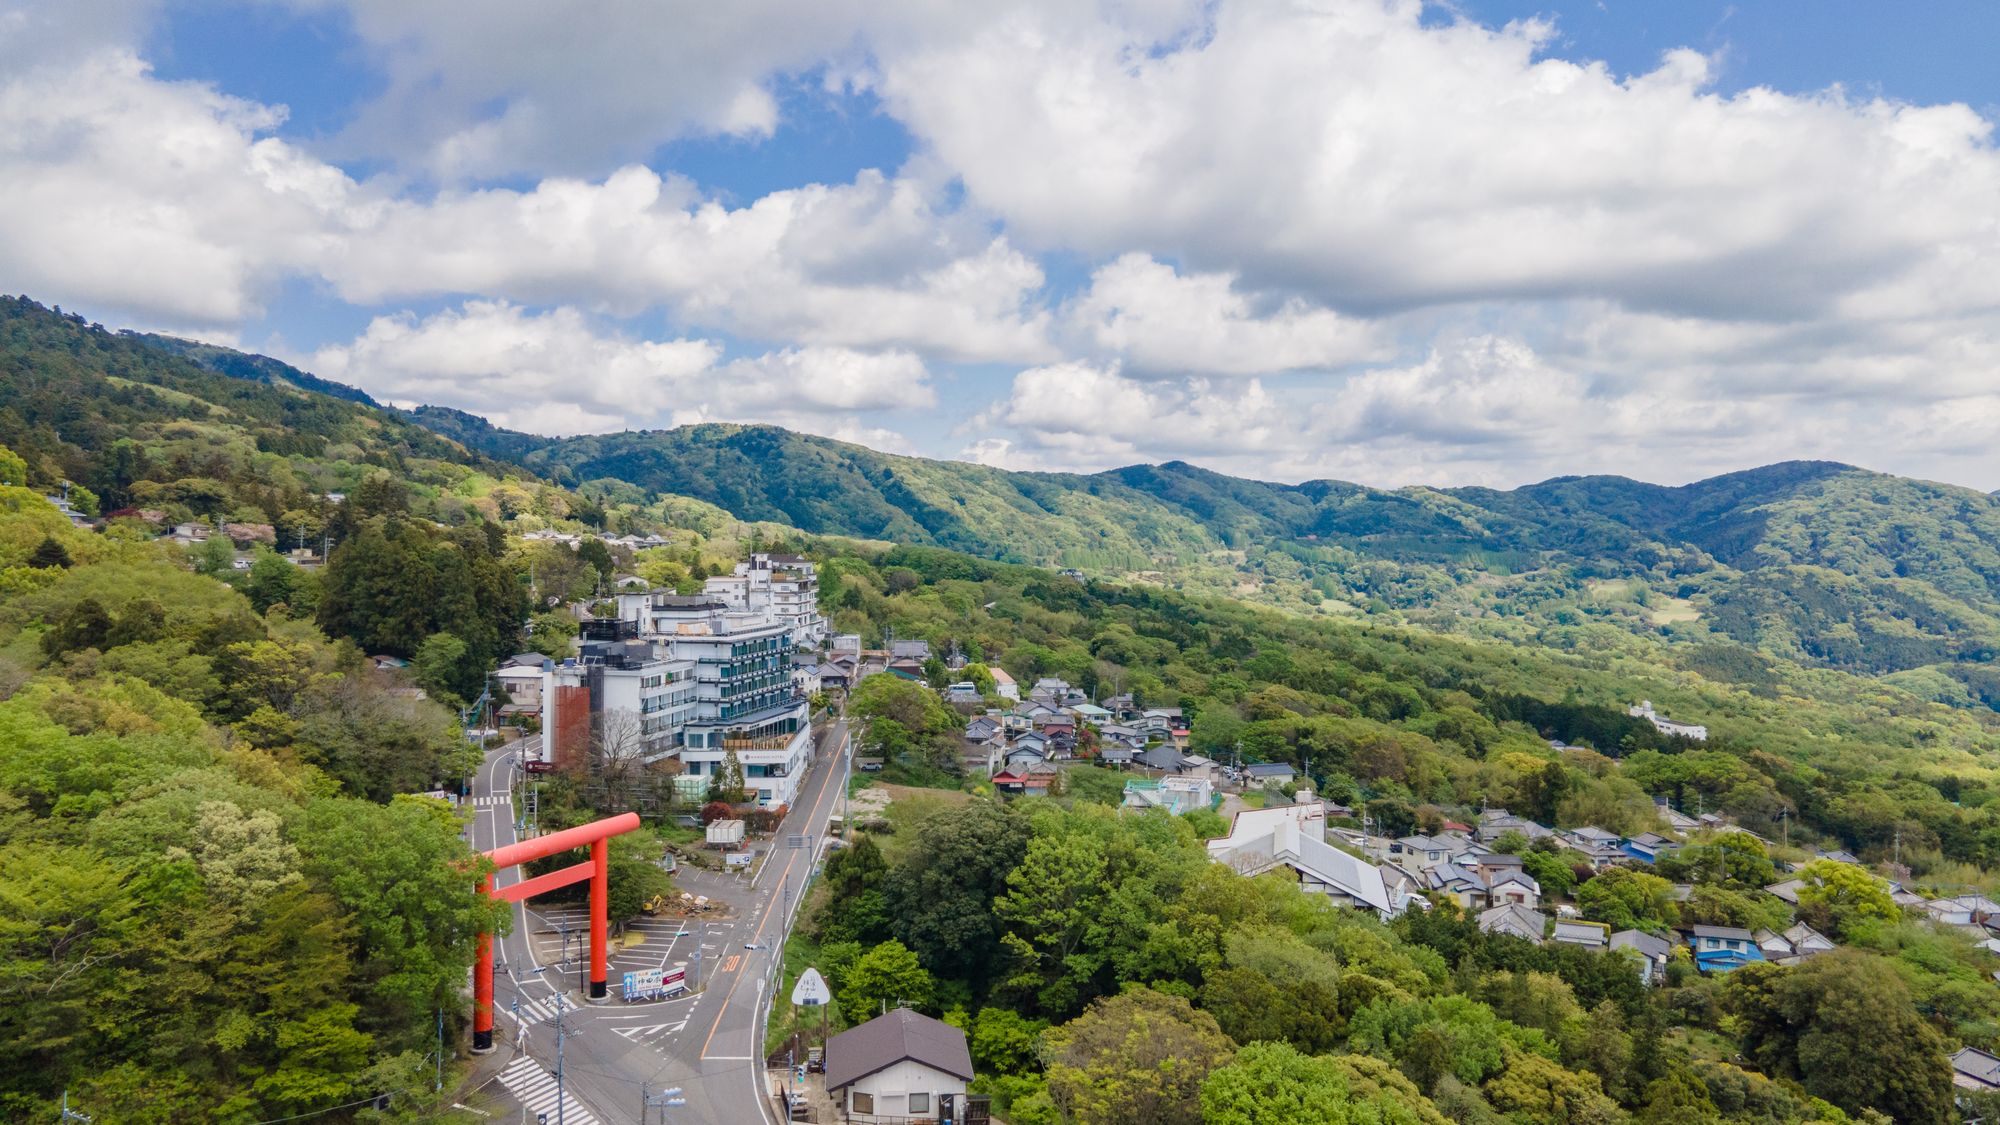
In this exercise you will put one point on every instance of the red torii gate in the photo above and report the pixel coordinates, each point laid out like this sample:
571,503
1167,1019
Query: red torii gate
597,835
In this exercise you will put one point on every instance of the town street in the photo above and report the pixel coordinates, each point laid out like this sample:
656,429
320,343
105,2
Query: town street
707,1042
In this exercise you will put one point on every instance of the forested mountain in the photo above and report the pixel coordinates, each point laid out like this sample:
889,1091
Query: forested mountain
205,433
1812,561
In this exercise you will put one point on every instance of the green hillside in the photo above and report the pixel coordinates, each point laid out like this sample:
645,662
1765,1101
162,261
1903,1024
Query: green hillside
1812,561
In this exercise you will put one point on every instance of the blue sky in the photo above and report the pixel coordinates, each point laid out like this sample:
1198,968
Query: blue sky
1486,242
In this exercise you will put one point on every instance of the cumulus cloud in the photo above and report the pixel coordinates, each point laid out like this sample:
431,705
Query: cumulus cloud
869,264
1159,320
1345,149
163,200
1316,238
555,372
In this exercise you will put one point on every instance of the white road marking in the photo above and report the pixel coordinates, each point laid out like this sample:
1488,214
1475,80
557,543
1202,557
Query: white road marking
535,1088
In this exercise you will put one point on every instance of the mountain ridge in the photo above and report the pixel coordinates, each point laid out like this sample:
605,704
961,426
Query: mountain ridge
1814,561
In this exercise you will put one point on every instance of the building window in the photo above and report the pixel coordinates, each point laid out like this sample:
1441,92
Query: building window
920,1103
859,1102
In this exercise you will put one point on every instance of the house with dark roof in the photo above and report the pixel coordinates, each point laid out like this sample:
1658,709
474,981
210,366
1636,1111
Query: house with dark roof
1653,953
1269,775
897,1067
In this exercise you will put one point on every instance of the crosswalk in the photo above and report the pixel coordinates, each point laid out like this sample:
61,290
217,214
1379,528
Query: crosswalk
493,800
535,1088
541,1011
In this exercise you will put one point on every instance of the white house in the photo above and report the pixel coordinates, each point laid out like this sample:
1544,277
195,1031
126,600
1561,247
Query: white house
1644,710
1293,837
897,1067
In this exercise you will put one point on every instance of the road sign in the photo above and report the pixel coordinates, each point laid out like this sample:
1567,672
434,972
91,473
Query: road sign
811,991
651,984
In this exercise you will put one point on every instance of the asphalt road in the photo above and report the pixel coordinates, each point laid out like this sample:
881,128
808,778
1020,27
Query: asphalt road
709,1043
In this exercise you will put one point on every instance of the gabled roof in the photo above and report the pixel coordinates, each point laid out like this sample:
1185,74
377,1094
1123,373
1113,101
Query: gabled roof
1644,944
1732,933
1515,919
886,1040
1972,1067
1269,769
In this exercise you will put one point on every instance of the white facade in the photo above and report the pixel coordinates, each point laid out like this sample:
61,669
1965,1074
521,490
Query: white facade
1644,710
745,701
785,586
1293,836
634,678
908,1090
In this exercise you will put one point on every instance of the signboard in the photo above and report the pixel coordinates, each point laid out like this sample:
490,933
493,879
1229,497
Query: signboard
811,991
649,984
737,859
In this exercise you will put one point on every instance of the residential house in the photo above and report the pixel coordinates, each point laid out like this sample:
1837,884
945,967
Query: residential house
1090,713
1515,921
982,728
1421,850
1517,888
1590,935
1194,765
1004,685
1788,891
1463,887
898,1067
1792,945
965,691
1974,1069
1049,691
1600,848
1292,837
1022,755
916,651
1114,754
521,678
1718,949
1116,734
1652,952
1495,823
1177,795
1649,846
1269,775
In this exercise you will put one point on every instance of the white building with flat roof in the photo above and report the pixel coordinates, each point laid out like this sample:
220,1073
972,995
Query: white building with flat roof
785,586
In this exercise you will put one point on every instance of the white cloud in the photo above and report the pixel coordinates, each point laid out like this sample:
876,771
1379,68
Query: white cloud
555,372
161,200
1342,149
1158,320
871,264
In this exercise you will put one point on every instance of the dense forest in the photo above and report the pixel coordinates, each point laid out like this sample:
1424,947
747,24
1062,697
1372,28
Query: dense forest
1107,973
215,902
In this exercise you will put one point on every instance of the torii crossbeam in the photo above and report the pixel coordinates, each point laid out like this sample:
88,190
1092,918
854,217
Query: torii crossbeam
597,836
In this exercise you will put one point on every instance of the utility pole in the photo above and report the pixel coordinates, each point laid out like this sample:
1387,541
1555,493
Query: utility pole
560,1096
439,1088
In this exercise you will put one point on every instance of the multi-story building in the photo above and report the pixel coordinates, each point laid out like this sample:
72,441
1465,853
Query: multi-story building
785,586
626,695
745,697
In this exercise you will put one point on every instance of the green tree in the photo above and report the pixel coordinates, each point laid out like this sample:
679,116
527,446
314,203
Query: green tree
1005,1042
888,975
441,668
1138,1058
216,556
727,787
1535,1090
1846,1028
1275,1084
940,889
273,580
50,554
13,468
1626,899
1054,908
1835,897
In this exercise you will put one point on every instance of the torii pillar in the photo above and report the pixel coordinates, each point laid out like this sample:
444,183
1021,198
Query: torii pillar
597,836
